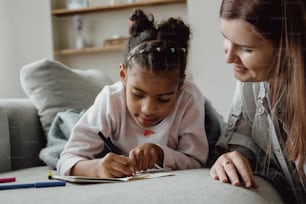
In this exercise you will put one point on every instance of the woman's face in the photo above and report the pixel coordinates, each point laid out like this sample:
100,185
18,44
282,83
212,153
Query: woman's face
250,54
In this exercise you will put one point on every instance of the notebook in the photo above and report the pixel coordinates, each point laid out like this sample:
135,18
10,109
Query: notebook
138,176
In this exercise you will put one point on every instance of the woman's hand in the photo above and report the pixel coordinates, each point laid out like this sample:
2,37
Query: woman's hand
146,156
231,166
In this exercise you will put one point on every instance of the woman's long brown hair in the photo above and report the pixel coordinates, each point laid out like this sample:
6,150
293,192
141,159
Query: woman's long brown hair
283,23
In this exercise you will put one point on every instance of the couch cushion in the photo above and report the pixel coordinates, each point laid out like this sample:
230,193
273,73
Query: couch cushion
54,87
21,135
193,186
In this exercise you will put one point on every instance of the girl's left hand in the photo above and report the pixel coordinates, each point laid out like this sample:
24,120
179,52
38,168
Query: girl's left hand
146,156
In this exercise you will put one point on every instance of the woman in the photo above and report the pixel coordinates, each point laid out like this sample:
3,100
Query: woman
266,134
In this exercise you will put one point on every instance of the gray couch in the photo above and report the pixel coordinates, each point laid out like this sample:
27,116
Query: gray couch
23,136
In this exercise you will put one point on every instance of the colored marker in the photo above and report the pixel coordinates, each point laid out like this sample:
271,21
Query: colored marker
109,145
6,180
33,185
106,142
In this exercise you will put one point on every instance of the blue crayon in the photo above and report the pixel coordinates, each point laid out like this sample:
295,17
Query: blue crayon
33,185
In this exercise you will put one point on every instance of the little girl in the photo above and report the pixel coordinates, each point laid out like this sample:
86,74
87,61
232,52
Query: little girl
153,115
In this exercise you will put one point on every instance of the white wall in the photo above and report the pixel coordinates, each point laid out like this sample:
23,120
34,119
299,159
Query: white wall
99,26
25,36
206,57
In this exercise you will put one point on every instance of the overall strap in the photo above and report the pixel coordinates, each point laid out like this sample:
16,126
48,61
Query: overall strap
236,108
231,137
234,116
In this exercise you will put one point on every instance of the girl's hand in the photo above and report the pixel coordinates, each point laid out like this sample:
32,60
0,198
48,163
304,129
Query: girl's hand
146,156
231,166
113,165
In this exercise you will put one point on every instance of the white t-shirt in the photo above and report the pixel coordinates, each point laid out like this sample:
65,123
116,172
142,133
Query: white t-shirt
181,134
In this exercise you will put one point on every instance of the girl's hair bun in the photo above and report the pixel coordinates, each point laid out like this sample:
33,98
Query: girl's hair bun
175,30
160,47
140,22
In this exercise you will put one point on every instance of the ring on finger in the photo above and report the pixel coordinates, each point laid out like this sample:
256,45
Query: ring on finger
227,162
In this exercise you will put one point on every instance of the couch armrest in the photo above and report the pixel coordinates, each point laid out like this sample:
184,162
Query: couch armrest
4,143
21,135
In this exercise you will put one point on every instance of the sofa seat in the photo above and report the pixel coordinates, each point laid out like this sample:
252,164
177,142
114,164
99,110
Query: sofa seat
186,186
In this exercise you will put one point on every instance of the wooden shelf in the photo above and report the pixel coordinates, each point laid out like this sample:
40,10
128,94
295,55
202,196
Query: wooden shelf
67,12
87,50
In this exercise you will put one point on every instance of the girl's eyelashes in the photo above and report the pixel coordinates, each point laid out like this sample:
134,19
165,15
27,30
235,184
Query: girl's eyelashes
141,96
164,100
137,95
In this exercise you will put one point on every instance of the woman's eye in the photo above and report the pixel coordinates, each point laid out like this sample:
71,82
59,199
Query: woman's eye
247,49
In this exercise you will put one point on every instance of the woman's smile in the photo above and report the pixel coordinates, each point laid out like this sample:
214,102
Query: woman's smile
240,69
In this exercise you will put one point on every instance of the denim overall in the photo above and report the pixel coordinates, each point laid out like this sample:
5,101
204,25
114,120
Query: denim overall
253,132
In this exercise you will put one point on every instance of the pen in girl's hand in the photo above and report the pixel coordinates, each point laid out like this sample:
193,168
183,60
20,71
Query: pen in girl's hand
106,142
112,148
109,145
